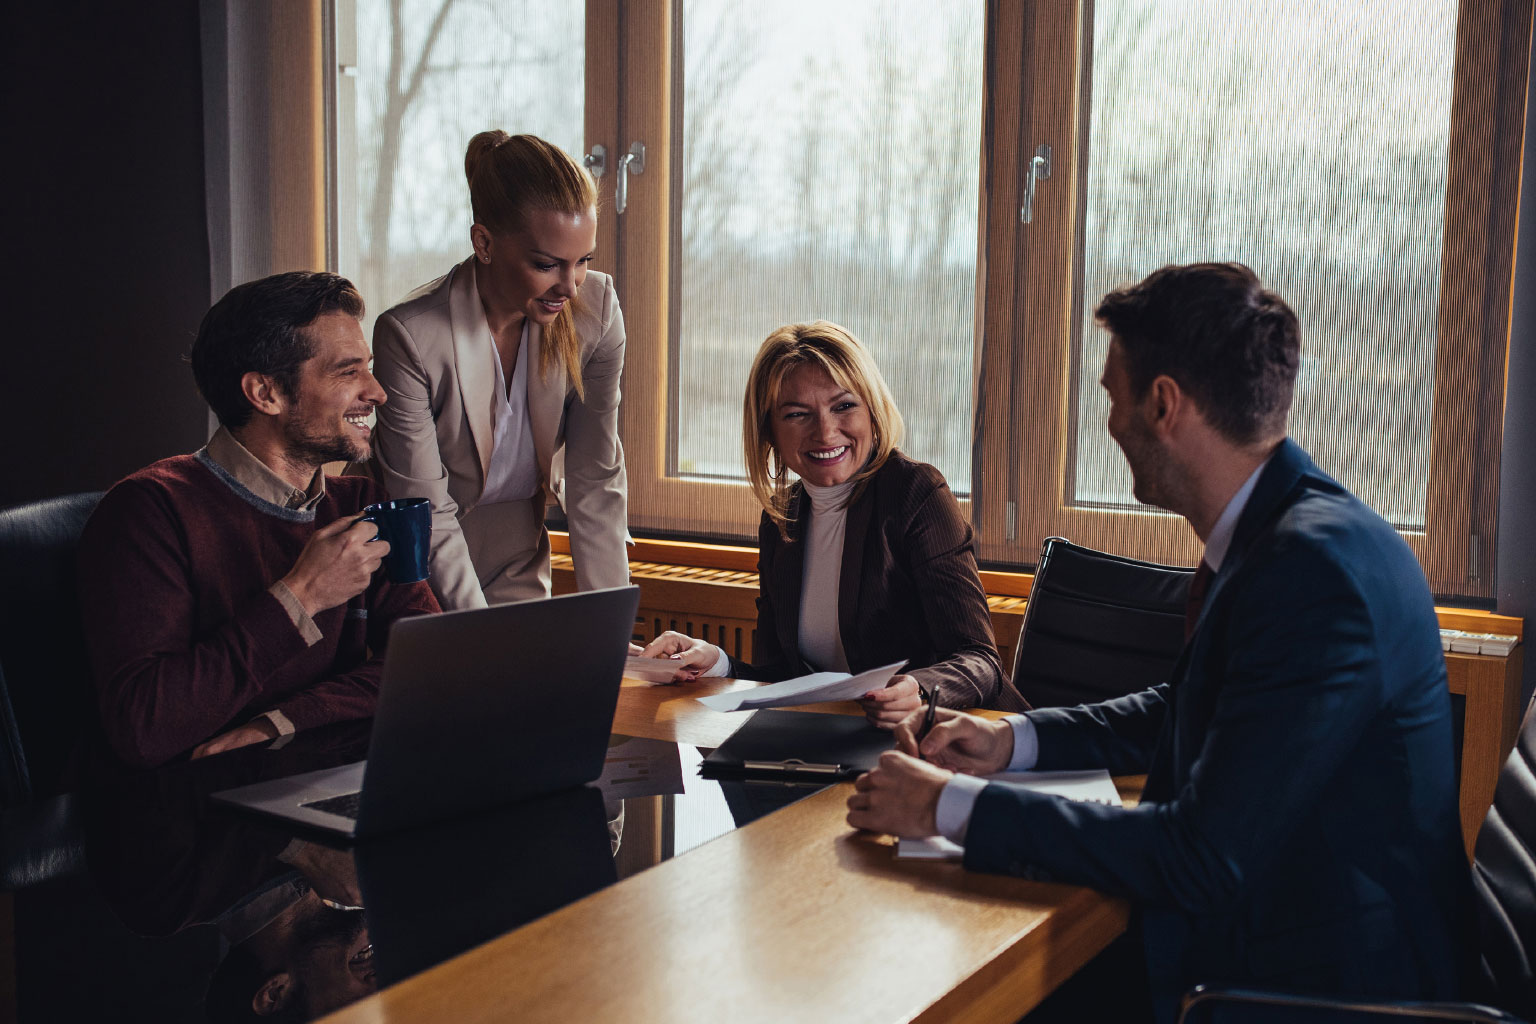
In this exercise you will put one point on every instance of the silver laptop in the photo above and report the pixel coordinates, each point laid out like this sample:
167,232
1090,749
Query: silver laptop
476,708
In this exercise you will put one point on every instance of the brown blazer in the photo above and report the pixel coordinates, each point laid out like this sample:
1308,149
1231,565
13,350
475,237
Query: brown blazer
432,354
908,588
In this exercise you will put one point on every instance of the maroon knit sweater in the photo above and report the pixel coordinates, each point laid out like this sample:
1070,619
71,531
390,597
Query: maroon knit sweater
185,640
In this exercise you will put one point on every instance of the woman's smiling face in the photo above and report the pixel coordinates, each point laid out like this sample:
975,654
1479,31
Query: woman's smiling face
821,430
536,269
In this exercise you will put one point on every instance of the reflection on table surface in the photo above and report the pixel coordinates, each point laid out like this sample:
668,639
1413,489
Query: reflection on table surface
192,911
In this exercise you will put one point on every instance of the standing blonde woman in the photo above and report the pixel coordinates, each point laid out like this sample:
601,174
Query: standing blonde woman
503,382
865,559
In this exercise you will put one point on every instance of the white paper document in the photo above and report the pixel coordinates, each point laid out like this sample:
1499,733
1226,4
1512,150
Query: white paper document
652,670
640,767
1093,786
811,689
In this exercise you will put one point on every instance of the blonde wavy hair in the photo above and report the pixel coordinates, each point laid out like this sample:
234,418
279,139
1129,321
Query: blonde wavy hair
844,359
511,174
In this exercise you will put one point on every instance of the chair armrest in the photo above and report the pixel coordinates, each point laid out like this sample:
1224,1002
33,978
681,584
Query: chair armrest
1202,999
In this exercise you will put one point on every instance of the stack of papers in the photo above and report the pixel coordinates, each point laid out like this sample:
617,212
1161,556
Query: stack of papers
811,689
1094,786
1476,643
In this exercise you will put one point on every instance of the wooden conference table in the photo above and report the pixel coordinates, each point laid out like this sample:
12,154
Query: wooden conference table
792,917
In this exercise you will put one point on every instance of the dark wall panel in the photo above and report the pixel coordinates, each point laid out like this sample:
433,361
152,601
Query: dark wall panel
106,241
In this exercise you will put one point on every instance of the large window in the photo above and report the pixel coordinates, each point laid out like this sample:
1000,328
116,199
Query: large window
426,76
1310,146
1363,167
870,162
830,169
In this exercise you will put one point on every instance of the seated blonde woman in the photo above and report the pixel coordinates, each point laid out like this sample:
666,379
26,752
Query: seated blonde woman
863,560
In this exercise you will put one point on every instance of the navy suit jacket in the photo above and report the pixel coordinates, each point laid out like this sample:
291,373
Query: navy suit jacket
1299,826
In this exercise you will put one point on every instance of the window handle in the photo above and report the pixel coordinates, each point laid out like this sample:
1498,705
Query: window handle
632,162
596,161
1039,170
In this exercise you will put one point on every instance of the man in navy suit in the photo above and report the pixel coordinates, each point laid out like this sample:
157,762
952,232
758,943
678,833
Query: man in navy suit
1299,827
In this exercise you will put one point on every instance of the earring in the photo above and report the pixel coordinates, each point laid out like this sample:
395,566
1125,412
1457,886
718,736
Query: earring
485,257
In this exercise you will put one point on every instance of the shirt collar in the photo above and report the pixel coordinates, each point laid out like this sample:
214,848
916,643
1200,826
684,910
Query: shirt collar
257,477
1220,540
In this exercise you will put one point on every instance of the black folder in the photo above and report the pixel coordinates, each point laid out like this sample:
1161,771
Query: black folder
799,745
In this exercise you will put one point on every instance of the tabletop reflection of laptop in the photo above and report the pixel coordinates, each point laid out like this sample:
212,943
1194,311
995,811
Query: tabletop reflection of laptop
476,708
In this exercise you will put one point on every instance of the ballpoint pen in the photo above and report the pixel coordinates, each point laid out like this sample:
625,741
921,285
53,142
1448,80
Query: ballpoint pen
930,716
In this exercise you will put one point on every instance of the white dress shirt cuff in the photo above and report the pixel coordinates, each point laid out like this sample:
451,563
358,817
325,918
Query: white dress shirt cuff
956,800
722,665
279,721
300,618
1026,743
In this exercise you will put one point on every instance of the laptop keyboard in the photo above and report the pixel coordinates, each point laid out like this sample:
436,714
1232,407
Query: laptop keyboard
345,805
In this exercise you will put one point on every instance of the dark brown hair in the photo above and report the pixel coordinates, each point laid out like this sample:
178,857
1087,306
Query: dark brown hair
258,327
1231,344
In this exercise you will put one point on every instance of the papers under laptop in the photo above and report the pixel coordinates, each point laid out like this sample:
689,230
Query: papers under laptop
476,708
811,689
1094,786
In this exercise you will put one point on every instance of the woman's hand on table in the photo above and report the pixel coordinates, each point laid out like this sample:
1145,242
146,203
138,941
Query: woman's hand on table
886,708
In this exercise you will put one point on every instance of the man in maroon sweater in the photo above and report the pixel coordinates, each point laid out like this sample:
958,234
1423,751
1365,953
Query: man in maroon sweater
230,596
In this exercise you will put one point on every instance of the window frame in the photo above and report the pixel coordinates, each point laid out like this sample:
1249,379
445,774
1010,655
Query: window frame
1035,89
660,501
1033,378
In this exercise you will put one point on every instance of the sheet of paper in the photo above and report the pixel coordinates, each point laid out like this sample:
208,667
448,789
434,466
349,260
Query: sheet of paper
640,767
652,670
1093,786
811,689
929,848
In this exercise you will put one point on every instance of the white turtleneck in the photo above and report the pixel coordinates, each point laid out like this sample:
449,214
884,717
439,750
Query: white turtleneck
821,642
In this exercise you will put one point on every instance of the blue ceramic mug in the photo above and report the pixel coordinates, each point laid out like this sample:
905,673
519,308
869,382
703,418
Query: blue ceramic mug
407,524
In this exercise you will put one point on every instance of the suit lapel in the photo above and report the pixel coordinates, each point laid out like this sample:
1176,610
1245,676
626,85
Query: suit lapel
1271,495
851,575
546,401
473,350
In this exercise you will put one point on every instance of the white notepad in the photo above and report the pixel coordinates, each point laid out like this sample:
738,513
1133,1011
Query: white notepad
1092,786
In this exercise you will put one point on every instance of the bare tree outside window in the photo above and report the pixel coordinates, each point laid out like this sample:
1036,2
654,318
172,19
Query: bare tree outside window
432,73
1307,139
831,167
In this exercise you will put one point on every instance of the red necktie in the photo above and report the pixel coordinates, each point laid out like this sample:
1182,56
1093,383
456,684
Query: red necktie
1197,588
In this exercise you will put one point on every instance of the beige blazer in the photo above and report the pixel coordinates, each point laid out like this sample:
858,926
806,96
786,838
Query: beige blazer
432,354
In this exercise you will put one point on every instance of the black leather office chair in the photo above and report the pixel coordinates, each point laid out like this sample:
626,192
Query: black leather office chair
15,784
1097,626
1504,869
42,643
45,688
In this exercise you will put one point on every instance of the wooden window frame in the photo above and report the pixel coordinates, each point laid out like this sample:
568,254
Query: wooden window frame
647,38
1034,379
1036,89
661,500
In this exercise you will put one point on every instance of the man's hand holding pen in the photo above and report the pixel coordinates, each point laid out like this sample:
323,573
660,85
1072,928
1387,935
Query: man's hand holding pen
958,741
